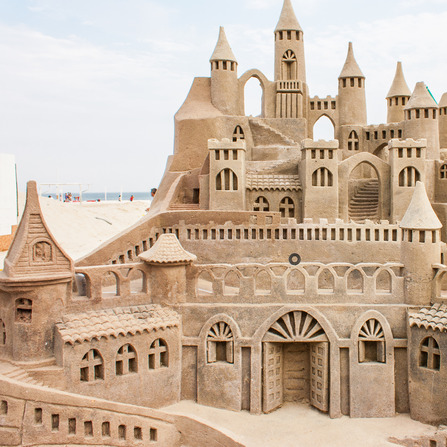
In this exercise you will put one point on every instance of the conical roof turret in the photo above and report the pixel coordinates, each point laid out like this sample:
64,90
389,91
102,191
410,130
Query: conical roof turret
287,20
351,69
421,98
223,51
399,86
420,214
443,102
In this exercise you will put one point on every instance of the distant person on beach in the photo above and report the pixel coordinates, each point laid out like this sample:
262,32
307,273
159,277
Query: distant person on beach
131,198
153,192
120,198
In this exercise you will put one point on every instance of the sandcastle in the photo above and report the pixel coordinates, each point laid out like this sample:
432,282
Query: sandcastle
271,268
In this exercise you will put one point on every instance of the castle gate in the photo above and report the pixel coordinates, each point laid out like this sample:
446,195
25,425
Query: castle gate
295,362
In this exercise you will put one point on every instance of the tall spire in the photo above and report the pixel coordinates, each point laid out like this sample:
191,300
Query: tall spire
287,20
399,86
421,98
420,214
223,51
351,69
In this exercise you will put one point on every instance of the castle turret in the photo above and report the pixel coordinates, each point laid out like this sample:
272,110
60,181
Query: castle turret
421,119
351,92
443,122
224,83
397,97
290,67
421,247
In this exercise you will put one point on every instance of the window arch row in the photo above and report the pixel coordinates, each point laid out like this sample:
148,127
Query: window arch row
226,180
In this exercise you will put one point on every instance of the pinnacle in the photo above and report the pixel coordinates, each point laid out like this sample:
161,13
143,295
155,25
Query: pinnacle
443,102
287,20
223,51
399,86
420,214
421,98
351,68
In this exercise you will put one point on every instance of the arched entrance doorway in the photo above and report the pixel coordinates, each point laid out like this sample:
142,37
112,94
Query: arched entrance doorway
295,362
323,129
364,192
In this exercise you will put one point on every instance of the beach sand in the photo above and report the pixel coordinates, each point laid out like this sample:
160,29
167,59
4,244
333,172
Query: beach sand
81,227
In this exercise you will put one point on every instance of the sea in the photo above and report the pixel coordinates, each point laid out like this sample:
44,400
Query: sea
110,196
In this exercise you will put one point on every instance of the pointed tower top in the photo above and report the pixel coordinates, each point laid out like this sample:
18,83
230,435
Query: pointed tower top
420,214
287,20
223,51
421,98
443,102
34,252
351,69
399,87
167,250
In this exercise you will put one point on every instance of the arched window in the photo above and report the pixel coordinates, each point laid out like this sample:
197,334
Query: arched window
226,180
287,207
296,281
232,283
138,281
353,141
371,342
322,177
126,360
2,333
383,282
289,65
110,285
158,354
261,204
430,355
204,284
238,134
409,176
24,310
220,343
443,171
355,281
92,366
326,281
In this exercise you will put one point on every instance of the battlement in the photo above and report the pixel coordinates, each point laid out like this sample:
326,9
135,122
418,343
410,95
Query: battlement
407,143
320,144
328,103
226,143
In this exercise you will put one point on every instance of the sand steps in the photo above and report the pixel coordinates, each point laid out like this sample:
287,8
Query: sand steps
17,373
263,134
365,203
184,206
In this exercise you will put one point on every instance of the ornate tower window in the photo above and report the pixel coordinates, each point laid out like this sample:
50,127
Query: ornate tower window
126,360
289,65
2,333
158,354
372,342
92,366
322,177
238,134
443,171
430,354
287,207
409,176
220,343
226,180
353,141
261,204
24,310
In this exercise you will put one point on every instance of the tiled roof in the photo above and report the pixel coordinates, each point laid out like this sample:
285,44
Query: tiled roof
272,181
83,327
167,250
434,317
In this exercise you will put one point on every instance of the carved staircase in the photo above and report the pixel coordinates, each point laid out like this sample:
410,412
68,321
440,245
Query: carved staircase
365,202
46,374
265,135
184,206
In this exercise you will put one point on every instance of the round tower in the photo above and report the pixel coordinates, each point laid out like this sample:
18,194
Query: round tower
351,92
421,119
397,97
224,83
443,122
420,248
289,47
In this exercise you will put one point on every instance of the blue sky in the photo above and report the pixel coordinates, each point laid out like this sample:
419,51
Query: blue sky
89,88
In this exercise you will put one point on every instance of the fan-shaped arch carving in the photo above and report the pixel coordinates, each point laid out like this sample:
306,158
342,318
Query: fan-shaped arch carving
372,342
295,326
220,343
